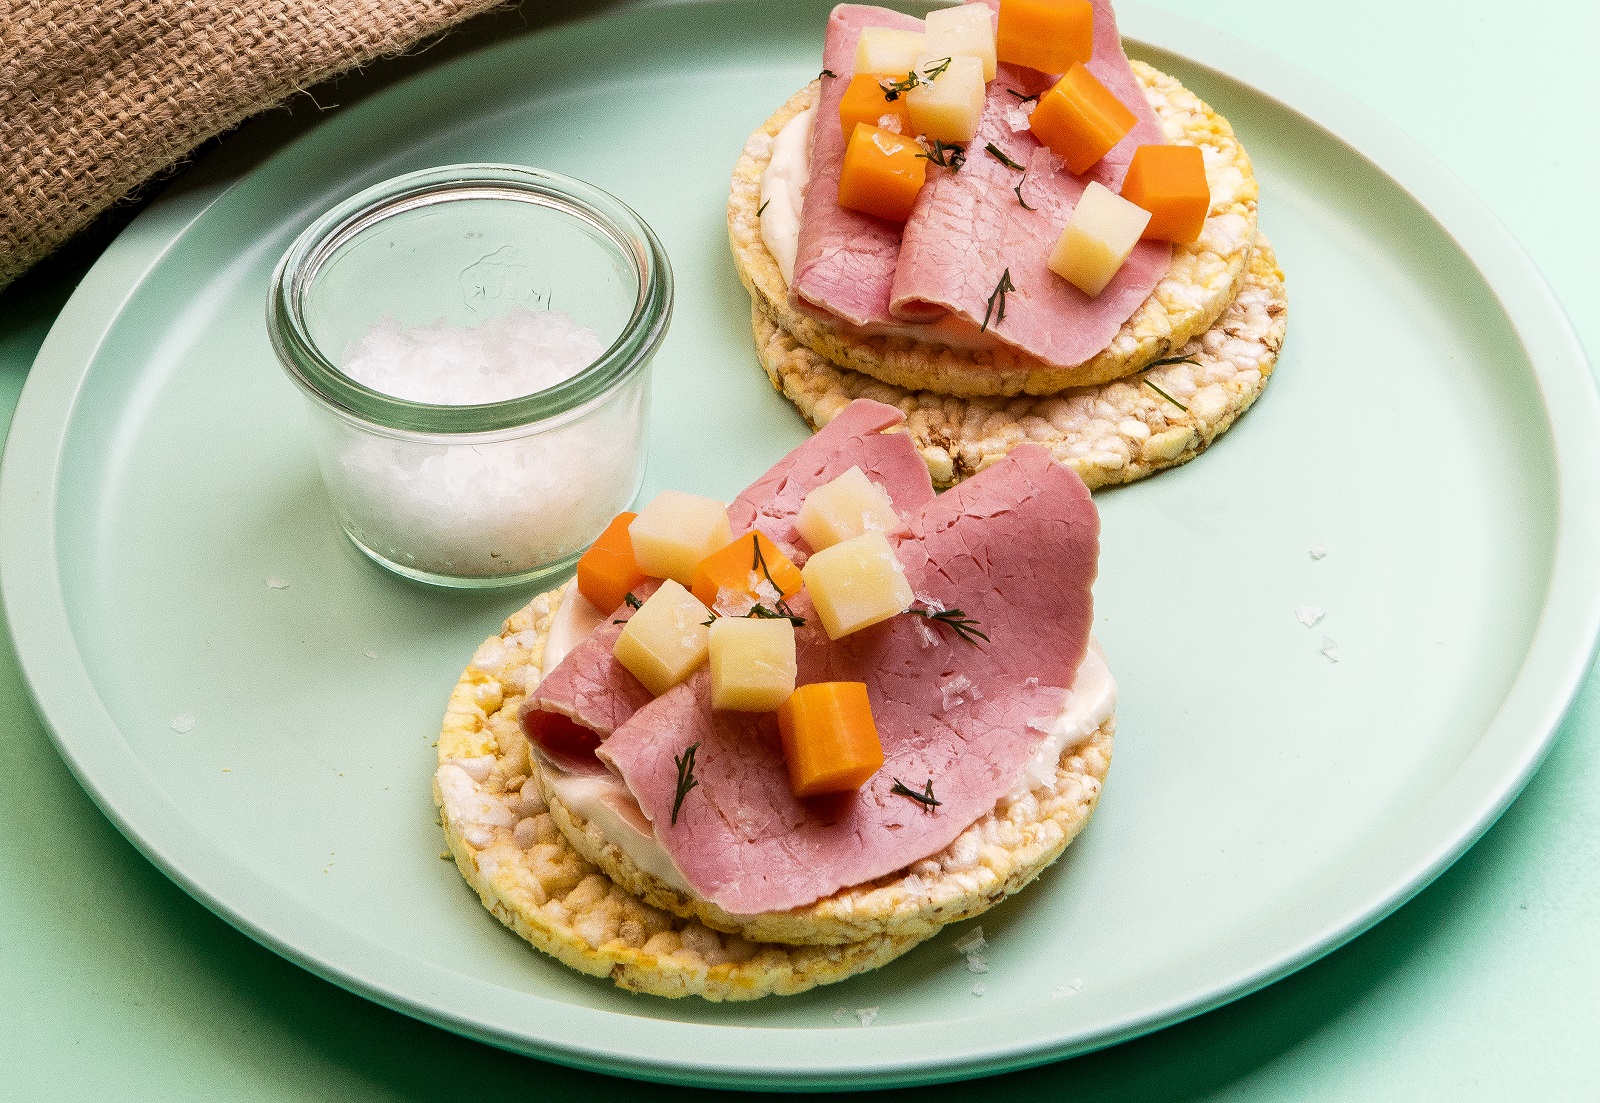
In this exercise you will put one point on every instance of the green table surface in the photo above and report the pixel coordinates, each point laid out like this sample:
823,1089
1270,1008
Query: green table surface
118,986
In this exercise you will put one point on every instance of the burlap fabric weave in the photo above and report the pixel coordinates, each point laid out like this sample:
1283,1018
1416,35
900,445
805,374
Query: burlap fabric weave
97,97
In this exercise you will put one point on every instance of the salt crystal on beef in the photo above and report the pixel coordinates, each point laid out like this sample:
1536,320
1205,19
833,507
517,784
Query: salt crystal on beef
955,691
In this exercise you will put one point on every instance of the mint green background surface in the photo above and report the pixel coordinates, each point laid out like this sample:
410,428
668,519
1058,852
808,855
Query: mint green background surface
121,986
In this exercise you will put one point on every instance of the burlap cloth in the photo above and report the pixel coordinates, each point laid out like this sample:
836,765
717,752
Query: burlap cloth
96,98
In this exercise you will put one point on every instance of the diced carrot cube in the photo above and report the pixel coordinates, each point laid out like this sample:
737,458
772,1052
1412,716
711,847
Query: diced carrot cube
882,173
1081,119
736,567
607,571
1048,35
829,740
1169,182
865,102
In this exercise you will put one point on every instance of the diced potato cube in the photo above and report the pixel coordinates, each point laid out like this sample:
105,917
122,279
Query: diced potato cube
967,31
886,53
949,102
856,584
675,532
845,508
665,639
1102,231
752,664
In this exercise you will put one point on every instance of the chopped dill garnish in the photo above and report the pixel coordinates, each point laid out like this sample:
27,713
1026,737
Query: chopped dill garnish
1165,395
1000,155
955,620
950,157
686,778
934,70
925,798
1171,360
998,296
761,210
892,89
1020,97
788,614
826,73
1025,204
630,601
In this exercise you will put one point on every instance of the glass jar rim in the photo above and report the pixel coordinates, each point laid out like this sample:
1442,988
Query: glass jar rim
320,241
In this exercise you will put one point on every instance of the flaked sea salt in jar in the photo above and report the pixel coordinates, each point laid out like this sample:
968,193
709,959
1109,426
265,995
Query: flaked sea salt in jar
475,341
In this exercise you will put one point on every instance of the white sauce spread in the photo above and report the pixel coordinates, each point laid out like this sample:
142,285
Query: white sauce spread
783,189
606,802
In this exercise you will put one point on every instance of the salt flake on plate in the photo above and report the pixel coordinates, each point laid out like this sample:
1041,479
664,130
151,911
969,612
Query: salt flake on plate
865,1015
1330,649
1318,551
183,723
276,583
1308,615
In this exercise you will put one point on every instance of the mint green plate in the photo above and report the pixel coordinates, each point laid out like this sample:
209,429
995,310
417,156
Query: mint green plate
1433,425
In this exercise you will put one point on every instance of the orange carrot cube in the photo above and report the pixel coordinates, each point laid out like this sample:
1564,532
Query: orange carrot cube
736,567
1081,119
1170,183
607,571
829,740
1048,35
882,173
864,102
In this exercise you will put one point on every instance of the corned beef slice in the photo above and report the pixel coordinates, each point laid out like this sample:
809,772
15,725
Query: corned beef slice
845,261
593,689
855,438
968,230
1015,548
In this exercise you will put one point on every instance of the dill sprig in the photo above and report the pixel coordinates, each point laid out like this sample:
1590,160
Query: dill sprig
950,157
630,601
762,209
935,69
1020,97
955,620
1025,204
1165,360
999,295
826,73
783,610
686,778
894,89
925,798
1165,395
1000,155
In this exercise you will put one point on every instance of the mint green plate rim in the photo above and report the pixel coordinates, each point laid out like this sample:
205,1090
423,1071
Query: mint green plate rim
1445,825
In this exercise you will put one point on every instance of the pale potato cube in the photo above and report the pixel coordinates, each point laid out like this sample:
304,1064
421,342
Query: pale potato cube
845,508
949,102
1102,231
665,639
967,31
856,583
752,664
676,531
881,52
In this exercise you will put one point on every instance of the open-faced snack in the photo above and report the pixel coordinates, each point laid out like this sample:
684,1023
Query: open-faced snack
705,873
958,310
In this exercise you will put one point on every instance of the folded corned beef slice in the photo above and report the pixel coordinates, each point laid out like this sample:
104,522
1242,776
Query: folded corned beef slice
969,231
1014,547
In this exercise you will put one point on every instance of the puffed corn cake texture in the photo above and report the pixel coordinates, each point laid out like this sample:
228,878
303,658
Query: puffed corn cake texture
1109,433
1202,279
533,862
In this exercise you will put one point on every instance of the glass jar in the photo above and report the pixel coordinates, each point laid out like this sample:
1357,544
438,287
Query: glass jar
497,492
